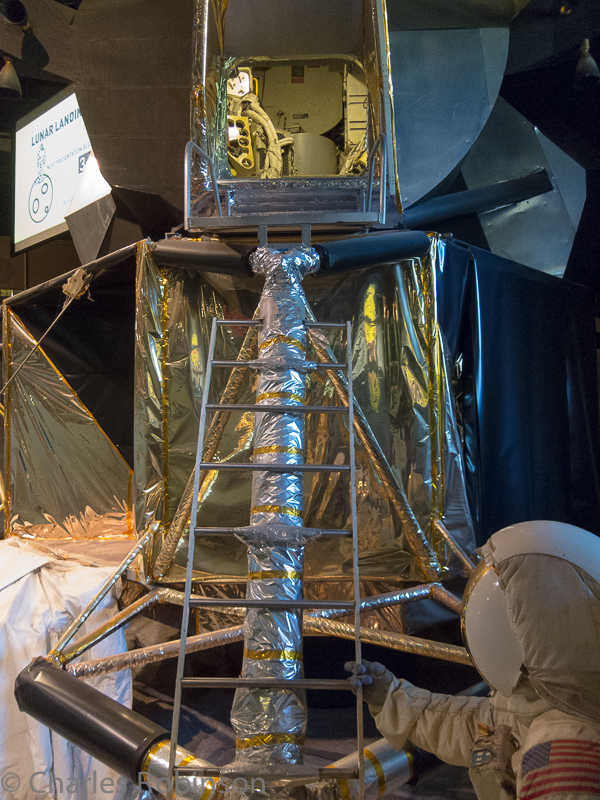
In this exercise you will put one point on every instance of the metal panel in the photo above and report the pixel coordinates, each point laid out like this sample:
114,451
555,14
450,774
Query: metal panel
569,177
445,84
289,28
538,232
407,15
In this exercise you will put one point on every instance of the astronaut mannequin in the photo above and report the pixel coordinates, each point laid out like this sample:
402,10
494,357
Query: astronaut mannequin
531,623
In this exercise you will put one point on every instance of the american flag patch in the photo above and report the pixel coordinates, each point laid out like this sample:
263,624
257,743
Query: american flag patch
561,765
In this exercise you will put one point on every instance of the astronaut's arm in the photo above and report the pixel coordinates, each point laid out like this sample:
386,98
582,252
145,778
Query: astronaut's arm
442,724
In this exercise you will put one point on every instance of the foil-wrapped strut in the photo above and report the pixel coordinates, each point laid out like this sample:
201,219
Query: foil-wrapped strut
270,724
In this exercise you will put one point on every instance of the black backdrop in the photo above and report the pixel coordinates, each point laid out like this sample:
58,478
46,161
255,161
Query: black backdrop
527,390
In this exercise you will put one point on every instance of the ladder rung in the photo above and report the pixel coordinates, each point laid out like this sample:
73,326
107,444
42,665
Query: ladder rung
209,602
329,773
253,364
239,323
336,773
265,683
323,773
275,467
276,409
324,324
257,529
198,772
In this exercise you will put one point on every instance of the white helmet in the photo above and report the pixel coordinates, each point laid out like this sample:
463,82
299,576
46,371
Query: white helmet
533,605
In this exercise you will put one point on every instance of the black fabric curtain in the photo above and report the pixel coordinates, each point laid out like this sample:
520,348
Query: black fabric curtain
523,345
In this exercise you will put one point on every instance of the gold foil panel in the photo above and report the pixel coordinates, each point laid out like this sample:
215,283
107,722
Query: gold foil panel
65,478
401,385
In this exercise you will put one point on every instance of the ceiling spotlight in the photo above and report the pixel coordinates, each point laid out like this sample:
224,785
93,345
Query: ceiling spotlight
587,73
10,85
14,12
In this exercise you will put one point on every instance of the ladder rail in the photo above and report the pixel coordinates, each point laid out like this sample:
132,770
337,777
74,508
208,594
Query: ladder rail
188,603
204,531
357,643
190,562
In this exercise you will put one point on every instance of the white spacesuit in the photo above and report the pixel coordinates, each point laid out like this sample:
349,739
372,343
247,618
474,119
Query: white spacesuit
531,622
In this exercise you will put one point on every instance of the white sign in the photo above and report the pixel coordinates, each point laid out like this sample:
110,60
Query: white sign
51,151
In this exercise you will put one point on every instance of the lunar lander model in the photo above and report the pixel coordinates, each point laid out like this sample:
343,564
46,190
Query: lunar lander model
294,427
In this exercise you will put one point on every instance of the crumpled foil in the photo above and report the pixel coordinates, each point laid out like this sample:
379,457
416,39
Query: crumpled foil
270,724
394,329
55,451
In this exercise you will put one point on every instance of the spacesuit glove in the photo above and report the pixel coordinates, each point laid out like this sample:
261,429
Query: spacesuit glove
373,677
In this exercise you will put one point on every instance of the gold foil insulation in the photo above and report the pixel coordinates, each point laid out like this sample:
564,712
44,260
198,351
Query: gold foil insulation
408,454
312,624
409,465
64,477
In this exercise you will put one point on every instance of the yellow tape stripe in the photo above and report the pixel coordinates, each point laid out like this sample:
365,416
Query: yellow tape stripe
276,448
292,512
269,739
345,789
208,791
343,784
280,395
276,574
151,753
378,770
187,760
282,340
273,655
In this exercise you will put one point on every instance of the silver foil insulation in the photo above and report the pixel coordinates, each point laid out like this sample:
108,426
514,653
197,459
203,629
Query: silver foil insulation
270,724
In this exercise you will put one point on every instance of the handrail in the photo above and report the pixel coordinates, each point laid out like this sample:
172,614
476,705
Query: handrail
380,144
190,146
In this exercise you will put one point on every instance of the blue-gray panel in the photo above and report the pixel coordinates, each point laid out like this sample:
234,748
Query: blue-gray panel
569,177
445,84
538,232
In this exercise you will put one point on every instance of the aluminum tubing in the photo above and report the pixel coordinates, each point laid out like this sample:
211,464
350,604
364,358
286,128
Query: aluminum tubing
270,724
154,773
385,770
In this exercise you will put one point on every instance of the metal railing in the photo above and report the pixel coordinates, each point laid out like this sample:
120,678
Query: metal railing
379,148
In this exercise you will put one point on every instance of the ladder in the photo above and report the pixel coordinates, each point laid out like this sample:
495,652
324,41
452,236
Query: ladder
327,773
